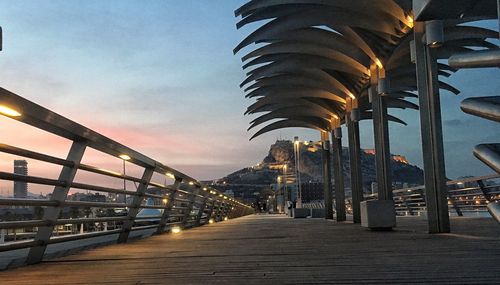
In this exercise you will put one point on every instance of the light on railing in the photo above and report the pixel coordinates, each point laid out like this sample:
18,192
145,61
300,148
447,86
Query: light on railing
175,230
211,221
7,111
205,189
125,157
226,218
191,183
170,175
165,200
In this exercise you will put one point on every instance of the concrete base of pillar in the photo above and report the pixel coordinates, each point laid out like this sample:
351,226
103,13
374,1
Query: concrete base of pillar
378,214
301,213
318,213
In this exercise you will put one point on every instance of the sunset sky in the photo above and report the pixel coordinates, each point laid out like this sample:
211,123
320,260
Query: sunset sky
160,77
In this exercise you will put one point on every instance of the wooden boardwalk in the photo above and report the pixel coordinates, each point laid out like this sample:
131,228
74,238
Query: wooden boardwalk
265,249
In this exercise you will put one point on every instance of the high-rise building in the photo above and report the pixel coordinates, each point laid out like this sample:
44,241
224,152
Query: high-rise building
20,187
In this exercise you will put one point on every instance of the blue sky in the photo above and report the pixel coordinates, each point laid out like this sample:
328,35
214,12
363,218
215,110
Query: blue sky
160,77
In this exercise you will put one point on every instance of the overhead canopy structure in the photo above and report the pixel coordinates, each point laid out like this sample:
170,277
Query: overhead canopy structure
315,55
319,64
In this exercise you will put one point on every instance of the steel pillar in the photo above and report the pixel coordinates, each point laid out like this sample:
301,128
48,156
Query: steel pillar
355,167
59,195
327,175
432,134
135,206
168,207
382,150
338,175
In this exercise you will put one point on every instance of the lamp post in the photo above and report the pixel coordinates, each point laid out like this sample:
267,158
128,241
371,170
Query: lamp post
285,190
296,144
124,158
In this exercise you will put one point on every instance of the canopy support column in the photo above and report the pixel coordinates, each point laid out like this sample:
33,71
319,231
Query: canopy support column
382,150
355,167
432,134
327,175
338,174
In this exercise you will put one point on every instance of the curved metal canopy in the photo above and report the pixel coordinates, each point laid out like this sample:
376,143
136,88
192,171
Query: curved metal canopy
312,56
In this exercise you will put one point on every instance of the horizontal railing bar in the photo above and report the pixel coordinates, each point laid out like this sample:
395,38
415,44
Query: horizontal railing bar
17,245
67,238
176,215
34,155
105,172
173,223
101,189
27,202
94,204
161,186
31,179
148,217
22,224
140,228
474,179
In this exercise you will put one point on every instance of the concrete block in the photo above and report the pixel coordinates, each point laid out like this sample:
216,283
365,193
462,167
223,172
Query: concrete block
378,214
318,213
301,213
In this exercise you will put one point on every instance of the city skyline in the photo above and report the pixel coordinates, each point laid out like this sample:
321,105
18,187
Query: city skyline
143,75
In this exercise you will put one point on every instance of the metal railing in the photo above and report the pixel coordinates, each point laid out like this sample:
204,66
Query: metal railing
158,207
469,196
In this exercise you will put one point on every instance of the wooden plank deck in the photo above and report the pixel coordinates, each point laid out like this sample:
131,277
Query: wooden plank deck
266,249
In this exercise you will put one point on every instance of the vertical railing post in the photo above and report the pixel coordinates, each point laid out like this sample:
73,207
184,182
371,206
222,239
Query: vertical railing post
483,189
431,133
51,214
355,162
454,204
212,208
338,174
191,197
327,175
202,209
168,208
135,206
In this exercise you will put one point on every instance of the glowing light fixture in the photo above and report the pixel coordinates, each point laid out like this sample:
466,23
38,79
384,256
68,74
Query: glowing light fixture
125,157
175,230
165,200
211,221
379,63
226,218
170,175
191,183
411,22
7,111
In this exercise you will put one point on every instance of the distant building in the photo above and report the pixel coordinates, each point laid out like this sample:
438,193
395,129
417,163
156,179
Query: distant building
20,188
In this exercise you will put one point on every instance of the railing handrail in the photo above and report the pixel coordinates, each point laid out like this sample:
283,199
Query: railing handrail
177,201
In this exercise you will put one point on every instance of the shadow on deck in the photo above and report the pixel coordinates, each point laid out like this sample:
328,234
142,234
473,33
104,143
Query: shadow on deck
267,249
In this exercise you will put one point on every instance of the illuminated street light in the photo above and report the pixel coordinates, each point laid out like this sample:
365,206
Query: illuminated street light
124,158
211,221
175,230
7,111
